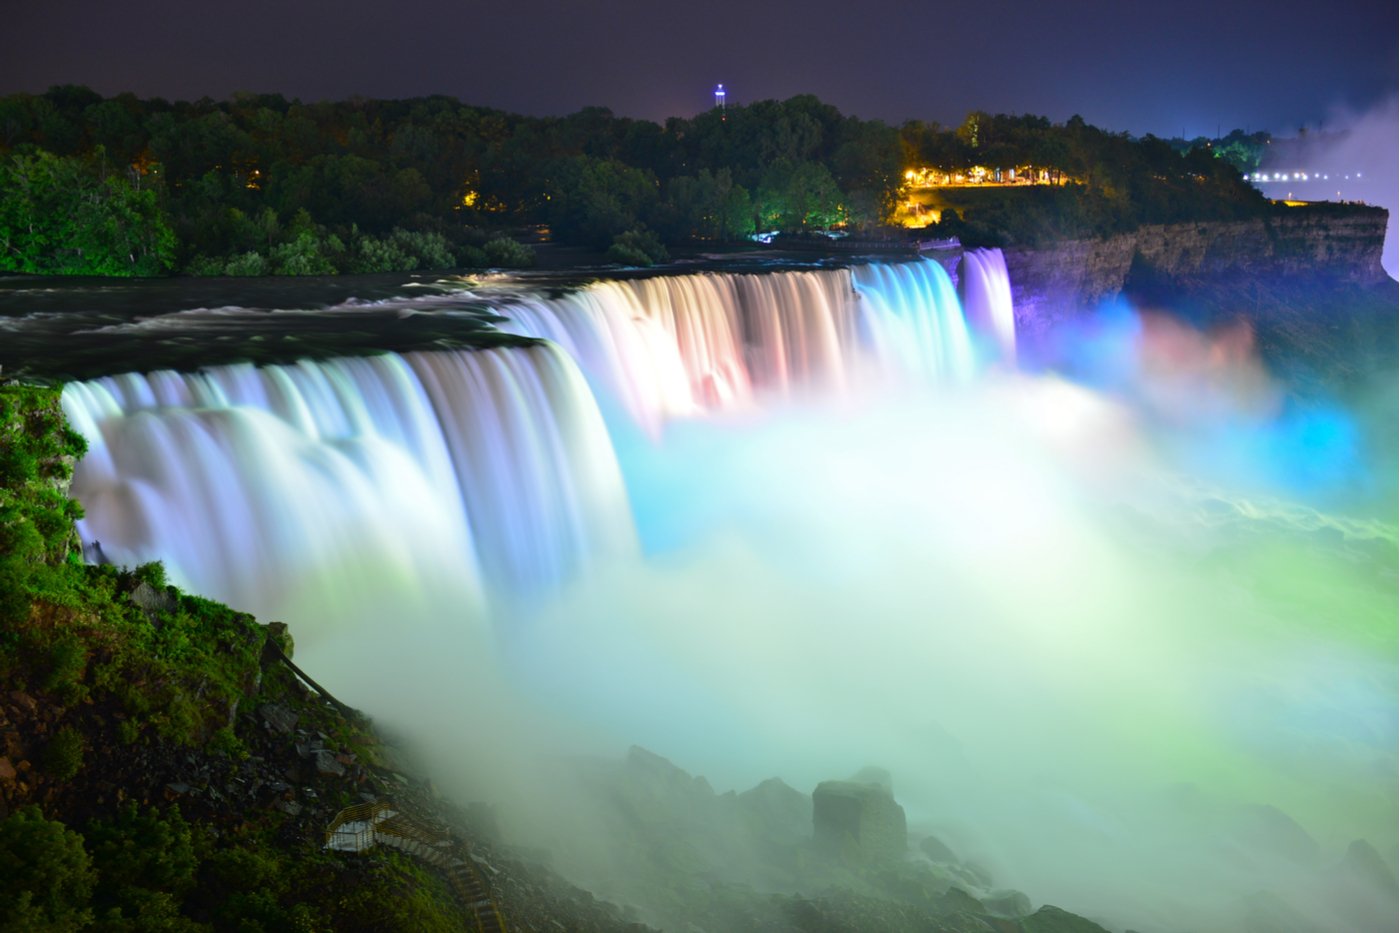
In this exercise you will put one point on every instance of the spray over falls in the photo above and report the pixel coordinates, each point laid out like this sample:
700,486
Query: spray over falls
805,521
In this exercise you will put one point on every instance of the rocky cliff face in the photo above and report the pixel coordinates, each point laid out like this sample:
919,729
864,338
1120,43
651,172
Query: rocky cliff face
1338,242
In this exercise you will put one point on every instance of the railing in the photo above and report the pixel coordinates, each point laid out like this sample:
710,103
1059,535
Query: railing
365,825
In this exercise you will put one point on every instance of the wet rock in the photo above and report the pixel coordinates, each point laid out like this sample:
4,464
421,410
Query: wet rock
278,718
7,770
151,600
326,762
1364,865
1050,919
1267,829
860,820
937,850
1362,889
957,901
873,775
649,768
289,807
978,873
776,812
1007,904
25,703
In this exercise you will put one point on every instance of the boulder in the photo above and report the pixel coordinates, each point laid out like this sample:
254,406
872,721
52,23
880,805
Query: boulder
1363,865
1261,828
151,600
775,812
859,820
1007,903
873,775
937,850
327,763
278,718
1050,919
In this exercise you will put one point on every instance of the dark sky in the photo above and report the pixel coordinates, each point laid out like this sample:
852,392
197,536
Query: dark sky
1127,65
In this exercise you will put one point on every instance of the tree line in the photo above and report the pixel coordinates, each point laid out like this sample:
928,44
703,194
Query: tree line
265,185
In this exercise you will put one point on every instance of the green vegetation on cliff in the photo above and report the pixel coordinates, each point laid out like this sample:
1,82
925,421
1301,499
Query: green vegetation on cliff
160,769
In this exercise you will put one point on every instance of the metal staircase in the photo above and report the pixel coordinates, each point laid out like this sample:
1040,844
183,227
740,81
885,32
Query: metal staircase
360,828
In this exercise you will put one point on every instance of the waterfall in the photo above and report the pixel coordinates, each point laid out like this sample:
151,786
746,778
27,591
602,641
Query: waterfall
353,484
914,320
485,472
948,583
987,297
673,346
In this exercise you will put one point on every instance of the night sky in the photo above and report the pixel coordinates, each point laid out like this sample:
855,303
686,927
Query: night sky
1191,66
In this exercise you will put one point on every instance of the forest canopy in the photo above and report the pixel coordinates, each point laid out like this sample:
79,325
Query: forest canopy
262,185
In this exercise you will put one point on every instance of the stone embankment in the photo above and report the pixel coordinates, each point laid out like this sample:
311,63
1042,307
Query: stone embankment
1342,243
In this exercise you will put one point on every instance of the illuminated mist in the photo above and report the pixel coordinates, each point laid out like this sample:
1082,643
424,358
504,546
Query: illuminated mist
1360,152
1120,624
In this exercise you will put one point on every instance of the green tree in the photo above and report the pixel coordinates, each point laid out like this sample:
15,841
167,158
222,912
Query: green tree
593,200
146,865
707,206
799,197
64,216
47,876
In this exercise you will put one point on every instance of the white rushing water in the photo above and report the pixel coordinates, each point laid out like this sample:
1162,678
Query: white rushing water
821,523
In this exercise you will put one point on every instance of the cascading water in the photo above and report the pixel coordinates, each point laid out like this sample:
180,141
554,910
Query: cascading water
679,345
288,485
913,319
297,491
999,592
299,485
987,296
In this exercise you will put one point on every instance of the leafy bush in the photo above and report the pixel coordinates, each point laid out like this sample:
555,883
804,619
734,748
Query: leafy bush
246,264
639,247
67,665
431,249
206,266
508,254
306,254
372,254
142,849
63,756
48,877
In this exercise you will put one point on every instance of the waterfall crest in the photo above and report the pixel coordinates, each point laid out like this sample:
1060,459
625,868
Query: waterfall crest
353,482
675,346
484,472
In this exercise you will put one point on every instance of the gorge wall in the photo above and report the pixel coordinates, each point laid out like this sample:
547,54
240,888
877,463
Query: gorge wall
1340,242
